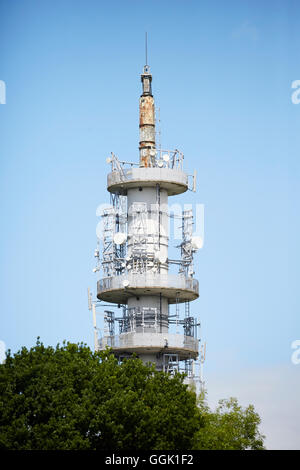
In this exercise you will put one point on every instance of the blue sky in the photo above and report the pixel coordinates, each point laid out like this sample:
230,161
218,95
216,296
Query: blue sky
222,75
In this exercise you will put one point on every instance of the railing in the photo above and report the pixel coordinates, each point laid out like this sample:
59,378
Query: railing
172,159
150,340
149,279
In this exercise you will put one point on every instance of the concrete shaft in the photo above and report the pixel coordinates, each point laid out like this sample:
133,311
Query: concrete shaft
151,225
147,130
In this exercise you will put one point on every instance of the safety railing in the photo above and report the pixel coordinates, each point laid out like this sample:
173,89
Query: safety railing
171,281
172,159
142,340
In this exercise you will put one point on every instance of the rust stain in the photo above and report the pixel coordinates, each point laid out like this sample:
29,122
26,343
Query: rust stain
147,111
147,130
144,161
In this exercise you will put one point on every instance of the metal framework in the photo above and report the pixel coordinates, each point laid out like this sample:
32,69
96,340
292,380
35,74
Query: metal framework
161,158
114,219
186,245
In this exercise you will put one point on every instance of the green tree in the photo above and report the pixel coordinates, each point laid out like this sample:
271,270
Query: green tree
71,398
230,427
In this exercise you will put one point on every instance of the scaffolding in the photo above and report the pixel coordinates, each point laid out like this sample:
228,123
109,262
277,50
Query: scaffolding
114,220
171,363
186,266
141,320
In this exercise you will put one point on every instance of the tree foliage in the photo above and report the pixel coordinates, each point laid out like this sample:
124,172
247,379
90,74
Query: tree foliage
230,427
71,398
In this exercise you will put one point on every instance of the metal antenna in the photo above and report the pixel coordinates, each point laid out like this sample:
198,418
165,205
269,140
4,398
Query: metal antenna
146,49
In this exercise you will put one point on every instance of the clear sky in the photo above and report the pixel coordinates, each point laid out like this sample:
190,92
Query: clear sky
222,77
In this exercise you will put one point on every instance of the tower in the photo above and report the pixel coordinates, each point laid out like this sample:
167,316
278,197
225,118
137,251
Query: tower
136,286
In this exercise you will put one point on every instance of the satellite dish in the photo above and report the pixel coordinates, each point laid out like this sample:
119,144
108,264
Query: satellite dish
152,153
120,238
125,283
197,243
160,163
161,258
108,160
166,157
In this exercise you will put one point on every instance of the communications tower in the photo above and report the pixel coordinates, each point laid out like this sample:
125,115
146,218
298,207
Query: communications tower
136,286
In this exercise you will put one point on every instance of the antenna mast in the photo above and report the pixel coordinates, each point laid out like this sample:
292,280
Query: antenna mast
146,48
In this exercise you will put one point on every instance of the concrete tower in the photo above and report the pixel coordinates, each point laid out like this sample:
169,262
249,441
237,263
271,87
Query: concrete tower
135,269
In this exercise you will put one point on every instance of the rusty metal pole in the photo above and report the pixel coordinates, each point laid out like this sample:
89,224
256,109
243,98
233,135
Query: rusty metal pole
147,121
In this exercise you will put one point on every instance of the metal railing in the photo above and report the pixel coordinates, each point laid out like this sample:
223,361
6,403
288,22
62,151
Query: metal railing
150,340
172,281
172,159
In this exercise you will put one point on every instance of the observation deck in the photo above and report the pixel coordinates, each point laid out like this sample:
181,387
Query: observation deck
177,288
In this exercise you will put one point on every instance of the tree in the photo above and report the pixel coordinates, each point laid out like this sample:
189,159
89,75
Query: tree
230,427
72,398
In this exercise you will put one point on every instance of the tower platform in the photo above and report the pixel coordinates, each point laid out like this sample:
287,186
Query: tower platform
152,343
175,181
175,288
